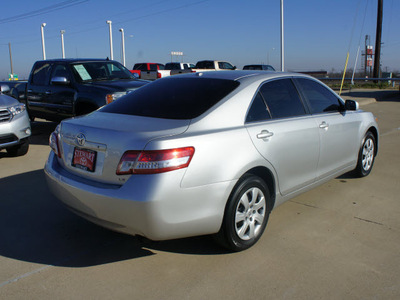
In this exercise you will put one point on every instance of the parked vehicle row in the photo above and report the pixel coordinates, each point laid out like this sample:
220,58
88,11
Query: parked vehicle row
207,153
153,71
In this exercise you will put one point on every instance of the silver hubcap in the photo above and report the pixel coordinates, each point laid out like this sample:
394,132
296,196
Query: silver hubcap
250,214
368,154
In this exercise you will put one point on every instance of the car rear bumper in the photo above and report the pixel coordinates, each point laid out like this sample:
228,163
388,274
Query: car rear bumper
153,206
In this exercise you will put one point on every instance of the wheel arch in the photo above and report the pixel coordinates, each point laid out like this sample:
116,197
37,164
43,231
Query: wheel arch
374,131
267,176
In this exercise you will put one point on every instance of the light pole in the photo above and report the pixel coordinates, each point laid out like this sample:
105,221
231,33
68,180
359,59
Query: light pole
123,45
111,47
43,47
62,43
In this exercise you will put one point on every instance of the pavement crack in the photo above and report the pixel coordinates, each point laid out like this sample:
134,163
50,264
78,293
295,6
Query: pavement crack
369,221
304,204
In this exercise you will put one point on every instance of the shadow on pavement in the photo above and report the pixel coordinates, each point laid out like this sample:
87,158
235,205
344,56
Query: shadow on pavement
36,227
41,131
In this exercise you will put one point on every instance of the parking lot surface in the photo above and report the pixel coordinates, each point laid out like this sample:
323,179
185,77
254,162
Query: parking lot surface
338,241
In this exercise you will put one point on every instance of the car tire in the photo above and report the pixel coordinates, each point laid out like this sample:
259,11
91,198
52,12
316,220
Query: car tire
20,149
246,214
366,156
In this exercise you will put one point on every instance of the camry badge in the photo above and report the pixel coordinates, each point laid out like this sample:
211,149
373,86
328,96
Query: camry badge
80,139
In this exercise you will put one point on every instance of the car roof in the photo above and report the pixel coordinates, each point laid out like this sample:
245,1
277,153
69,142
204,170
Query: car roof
243,75
73,60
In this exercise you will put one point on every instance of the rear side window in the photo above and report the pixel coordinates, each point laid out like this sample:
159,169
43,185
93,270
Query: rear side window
282,99
205,65
258,110
173,98
40,75
320,99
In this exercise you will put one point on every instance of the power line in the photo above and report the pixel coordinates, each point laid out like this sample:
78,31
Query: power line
42,11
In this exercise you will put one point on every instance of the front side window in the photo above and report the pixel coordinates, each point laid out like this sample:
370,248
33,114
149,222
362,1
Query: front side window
60,71
282,99
320,99
99,71
225,65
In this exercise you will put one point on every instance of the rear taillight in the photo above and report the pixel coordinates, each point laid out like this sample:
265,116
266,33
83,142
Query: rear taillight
158,75
154,161
54,143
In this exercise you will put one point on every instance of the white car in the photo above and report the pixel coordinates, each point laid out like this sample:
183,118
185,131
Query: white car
15,127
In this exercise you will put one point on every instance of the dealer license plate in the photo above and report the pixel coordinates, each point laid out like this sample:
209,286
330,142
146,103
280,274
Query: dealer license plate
84,159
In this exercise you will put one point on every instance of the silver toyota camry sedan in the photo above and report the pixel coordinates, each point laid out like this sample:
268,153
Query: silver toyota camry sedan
207,153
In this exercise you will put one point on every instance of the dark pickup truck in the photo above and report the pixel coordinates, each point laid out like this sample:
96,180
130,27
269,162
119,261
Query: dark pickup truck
62,88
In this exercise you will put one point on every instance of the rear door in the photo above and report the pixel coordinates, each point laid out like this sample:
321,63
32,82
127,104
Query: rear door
284,134
37,88
338,129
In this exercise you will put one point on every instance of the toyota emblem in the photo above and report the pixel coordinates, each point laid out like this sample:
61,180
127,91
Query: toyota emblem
81,139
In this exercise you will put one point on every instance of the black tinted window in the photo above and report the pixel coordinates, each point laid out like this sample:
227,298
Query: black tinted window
59,71
40,75
206,64
258,110
282,99
173,98
319,97
172,66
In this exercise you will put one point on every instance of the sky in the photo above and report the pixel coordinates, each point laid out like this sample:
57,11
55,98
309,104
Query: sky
317,33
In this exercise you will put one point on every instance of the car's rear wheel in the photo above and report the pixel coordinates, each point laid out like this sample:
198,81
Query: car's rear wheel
366,156
20,149
246,214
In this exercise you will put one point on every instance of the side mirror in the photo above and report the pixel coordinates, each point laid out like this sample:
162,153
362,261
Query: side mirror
4,88
234,68
351,105
135,75
59,80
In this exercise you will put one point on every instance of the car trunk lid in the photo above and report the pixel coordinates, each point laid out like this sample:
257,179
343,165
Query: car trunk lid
93,145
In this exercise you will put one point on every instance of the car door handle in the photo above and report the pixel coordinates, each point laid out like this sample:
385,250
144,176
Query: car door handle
324,125
48,92
264,134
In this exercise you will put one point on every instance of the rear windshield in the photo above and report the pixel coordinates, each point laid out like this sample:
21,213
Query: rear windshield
173,98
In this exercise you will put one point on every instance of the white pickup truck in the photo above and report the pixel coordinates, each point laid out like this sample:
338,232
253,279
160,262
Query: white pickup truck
213,65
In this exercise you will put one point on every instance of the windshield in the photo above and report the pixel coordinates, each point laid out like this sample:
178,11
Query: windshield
99,71
173,98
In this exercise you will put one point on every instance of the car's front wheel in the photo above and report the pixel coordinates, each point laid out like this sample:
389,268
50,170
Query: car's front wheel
246,214
366,156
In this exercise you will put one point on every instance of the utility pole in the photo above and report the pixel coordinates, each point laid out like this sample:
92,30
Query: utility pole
12,71
377,61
